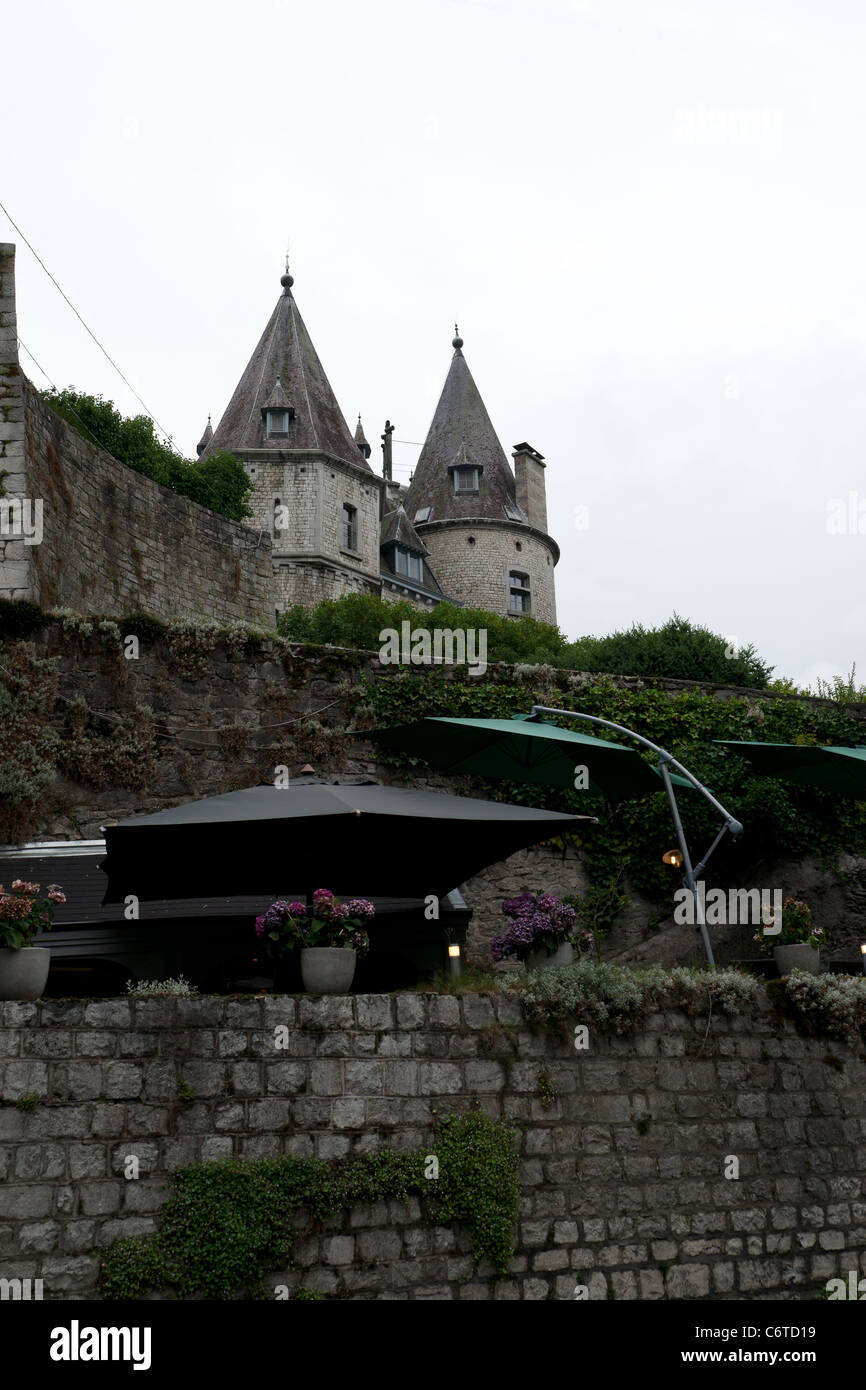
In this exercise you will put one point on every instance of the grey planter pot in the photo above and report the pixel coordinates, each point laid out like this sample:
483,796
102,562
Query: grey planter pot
327,969
540,959
23,973
800,956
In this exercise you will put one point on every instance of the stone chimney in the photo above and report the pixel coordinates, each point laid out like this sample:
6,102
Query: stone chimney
529,479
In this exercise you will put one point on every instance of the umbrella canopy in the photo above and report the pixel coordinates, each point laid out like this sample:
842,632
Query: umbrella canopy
356,838
830,768
523,750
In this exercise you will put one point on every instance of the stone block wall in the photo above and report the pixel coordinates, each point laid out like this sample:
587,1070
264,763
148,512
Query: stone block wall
116,541
472,561
230,722
112,539
16,557
628,1149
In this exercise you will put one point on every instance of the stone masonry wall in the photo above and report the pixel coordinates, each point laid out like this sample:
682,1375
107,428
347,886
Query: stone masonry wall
623,1147
472,562
116,541
112,539
229,722
16,558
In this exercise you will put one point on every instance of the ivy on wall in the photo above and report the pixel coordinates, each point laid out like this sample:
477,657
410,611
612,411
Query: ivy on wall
28,744
227,1223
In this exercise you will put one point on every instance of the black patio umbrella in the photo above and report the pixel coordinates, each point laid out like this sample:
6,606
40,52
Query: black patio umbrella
354,837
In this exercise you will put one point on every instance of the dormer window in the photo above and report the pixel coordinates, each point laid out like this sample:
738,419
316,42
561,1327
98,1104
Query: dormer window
277,411
465,479
408,562
277,422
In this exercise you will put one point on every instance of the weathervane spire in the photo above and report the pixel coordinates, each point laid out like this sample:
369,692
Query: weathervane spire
287,280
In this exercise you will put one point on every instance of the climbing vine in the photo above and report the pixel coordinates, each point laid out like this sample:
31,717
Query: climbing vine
781,819
28,744
227,1223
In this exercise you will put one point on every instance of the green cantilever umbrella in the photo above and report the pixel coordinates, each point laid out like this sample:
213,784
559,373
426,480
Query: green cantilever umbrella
529,748
523,749
830,768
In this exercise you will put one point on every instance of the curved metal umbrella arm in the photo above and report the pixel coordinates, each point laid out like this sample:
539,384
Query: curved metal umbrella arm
666,761
731,823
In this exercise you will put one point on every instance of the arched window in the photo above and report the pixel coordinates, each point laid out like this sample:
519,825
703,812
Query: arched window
519,594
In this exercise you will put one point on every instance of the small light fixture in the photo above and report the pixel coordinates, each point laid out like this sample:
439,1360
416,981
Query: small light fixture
454,959
863,955
674,857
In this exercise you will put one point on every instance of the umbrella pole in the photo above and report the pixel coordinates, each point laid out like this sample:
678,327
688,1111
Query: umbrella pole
734,826
689,875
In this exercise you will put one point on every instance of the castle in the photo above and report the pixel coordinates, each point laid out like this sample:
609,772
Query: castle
324,524
466,528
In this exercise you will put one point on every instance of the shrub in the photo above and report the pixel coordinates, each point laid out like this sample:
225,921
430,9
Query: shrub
616,999
834,1004
173,988
20,617
219,482
678,649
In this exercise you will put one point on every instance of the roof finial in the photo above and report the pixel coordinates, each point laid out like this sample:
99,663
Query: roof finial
287,280
457,341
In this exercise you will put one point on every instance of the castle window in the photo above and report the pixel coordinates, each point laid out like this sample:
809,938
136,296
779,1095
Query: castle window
519,596
465,479
277,423
350,528
278,521
408,562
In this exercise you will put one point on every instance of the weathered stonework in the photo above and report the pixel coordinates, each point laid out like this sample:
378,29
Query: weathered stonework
298,501
624,1148
474,559
113,540
16,558
287,704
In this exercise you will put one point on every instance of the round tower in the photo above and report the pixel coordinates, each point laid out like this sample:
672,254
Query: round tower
485,528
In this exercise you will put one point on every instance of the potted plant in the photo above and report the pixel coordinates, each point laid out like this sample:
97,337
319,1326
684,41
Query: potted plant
797,945
23,914
541,932
330,936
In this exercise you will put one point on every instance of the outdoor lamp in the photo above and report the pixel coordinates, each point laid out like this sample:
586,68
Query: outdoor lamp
863,955
454,959
674,857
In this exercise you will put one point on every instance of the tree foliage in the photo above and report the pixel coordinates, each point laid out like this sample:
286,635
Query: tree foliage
679,649
219,482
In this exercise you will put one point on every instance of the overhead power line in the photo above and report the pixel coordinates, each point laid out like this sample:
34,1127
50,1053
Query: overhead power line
105,354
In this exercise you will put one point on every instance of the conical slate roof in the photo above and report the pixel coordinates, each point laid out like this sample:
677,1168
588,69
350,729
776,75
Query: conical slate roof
397,529
205,439
462,435
285,355
361,439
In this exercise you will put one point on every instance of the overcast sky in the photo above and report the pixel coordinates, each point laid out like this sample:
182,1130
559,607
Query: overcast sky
647,217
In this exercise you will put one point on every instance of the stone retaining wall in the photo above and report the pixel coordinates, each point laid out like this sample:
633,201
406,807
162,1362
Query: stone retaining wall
624,1147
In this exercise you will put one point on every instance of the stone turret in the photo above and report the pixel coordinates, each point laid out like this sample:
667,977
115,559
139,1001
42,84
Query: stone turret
205,439
361,439
313,489
485,533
